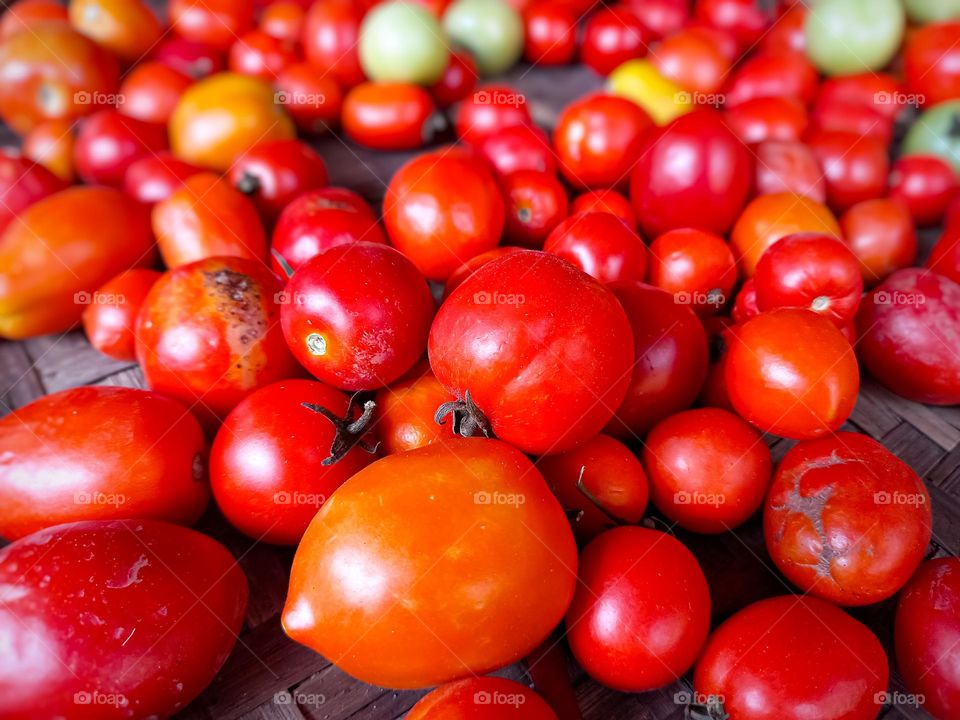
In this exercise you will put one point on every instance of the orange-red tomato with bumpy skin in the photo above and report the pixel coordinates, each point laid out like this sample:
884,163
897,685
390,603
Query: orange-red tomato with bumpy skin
151,91
881,235
110,318
97,453
482,698
694,266
428,581
405,411
216,23
209,334
127,28
61,249
389,115
91,599
601,245
846,519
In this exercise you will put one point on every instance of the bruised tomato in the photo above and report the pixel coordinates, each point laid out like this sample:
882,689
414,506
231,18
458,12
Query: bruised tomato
110,318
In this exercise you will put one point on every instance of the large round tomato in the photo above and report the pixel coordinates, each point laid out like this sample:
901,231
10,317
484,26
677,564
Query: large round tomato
427,580
22,183
696,267
110,318
931,60
482,698
405,411
600,244
882,237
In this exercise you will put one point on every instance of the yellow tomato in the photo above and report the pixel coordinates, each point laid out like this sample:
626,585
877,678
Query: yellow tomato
640,81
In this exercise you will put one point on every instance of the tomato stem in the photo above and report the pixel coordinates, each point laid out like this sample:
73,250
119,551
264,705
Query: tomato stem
248,184
350,430
468,419
282,262
596,503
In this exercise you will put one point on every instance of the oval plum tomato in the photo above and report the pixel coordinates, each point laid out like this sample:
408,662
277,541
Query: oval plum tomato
926,184
550,33
882,236
600,484
855,167
536,203
813,271
257,54
776,74
601,245
792,373
745,304
156,177
792,658
40,293
695,266
193,59
482,698
83,591
473,264
524,316
907,328
151,91
519,147
150,460
274,172
127,28
441,551
216,23
768,118
670,347
788,167
111,317
220,117
312,99
275,460
598,139
931,62
331,34
53,72
207,217
927,633
629,633
284,20
611,36
441,209
770,217
51,144
109,142
660,17
693,61
458,80
744,18
390,115
692,173
357,315
605,200
24,14
405,411
209,334
22,183
846,519
489,109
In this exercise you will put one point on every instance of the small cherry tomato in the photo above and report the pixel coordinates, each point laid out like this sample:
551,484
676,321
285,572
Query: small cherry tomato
519,147
549,36
925,184
482,698
127,28
693,61
775,74
613,35
153,178
258,54
194,59
696,267
881,235
458,80
390,116
110,318
283,20
605,200
313,100
536,203
151,91
490,108
24,14
216,23
931,62
406,409
331,35
51,144
855,167
108,143
22,183
767,118
788,167
601,245
274,172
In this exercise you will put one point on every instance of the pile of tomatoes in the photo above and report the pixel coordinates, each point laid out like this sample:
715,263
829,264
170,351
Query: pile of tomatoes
463,410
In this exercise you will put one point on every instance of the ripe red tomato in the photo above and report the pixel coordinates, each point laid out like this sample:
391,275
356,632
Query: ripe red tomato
692,173
482,698
406,409
693,60
22,183
489,109
108,143
514,318
458,80
440,551
519,147
660,17
882,236
216,23
878,91
945,256
855,167
744,18
926,184
907,327
696,267
441,209
745,305
331,34
193,59
284,20
611,36
931,62
787,32
312,99
788,167
601,245
389,115
714,390
768,118
846,519
156,177
627,632
151,91
473,264
536,203
776,74
927,633
274,172
793,658
111,316
261,55
24,14
549,33
792,373
855,117
605,200
90,597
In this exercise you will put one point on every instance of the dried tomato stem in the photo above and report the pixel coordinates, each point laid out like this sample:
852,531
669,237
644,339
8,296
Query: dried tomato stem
349,430
468,419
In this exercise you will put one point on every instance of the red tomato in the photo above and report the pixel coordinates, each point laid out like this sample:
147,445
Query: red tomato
261,55
216,23
390,116
693,60
907,327
312,99
601,245
788,167
767,118
489,109
482,698
855,167
536,203
549,33
627,632
458,80
475,613
274,172
519,147
881,234
878,91
852,117
793,658
944,258
111,316
606,200
926,184
108,143
714,391
611,36
24,14
792,373
284,20
744,18
22,183
745,304
660,17
931,62
151,91
127,28
51,144
473,264
557,397
156,177
405,411
331,33
696,267
193,59
846,519
787,32
788,75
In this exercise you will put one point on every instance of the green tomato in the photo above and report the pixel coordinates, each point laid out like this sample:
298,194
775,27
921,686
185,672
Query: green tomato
936,132
490,29
927,11
853,36
403,42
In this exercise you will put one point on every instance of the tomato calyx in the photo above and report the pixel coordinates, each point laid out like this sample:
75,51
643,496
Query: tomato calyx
712,709
468,419
349,430
248,184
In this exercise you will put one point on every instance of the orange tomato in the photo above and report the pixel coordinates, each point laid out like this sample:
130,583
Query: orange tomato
51,144
128,28
405,411
27,13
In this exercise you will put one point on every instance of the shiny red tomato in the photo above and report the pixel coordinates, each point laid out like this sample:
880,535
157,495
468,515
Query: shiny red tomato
787,32
156,177
745,304
693,60
151,91
944,258
519,147
310,97
489,109
274,172
482,698
261,55
22,183
931,62
788,167
390,116
127,28
458,80
549,33
601,245
855,117
24,14
744,18
926,184
536,203
108,143
660,17
331,34
768,118
406,409
696,267
855,167
776,74
110,318
611,36
216,23
194,59
882,236
51,144
284,20
880,92
605,200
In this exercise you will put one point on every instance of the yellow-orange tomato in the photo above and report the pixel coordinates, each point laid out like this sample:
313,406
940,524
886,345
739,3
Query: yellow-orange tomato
220,117
128,28
405,411
27,13
771,217
51,144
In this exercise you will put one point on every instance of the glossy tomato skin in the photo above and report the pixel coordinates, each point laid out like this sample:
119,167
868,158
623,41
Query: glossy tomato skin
601,245
312,99
626,632
283,20
932,62
550,33
661,17
906,327
846,520
945,256
694,266
776,74
22,183
153,178
261,55
27,13
406,409
926,634
693,60
51,144
746,20
855,167
882,236
489,109
536,203
331,33
274,172
524,316
193,59
216,23
442,209
605,200
791,657
926,184
389,115
785,166
768,118
468,599
110,594
127,28
611,36
209,335
853,117
519,147
151,91
473,264
482,698
108,143
458,80
110,319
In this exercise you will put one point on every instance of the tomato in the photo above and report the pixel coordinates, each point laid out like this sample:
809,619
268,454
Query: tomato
283,20
792,658
482,698
714,391
441,209
744,18
331,35
639,81
482,336
745,304
405,411
193,59
156,177
601,245
600,484
605,200
788,167
458,80
274,172
881,235
111,316
53,72
536,203
944,258
935,133
491,32
926,634
402,43
670,347
489,109
661,17
776,74
108,143
692,173
855,167
312,99
850,36
549,33
792,373
852,117
925,184
51,144
22,183
598,139
216,23
846,519
627,632
127,28
473,264
24,14
611,36
258,54
209,334
390,116
770,217
931,62
878,91
907,326
220,117
696,267
765,119
206,217
319,220
440,550
924,11
151,91
59,250
786,33
692,60
519,147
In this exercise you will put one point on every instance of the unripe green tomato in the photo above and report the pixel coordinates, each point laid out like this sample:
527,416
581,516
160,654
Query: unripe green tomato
853,36
490,29
936,132
403,42
927,11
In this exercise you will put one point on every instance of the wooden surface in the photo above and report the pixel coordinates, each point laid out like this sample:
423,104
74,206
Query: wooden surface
269,676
